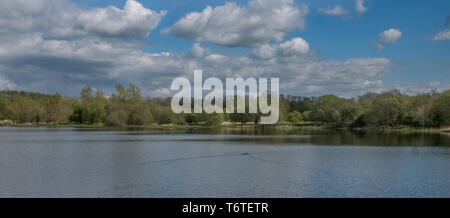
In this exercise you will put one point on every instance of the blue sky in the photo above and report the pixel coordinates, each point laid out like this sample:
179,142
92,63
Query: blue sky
343,38
389,44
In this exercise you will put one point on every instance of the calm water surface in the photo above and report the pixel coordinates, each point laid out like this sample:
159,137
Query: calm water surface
77,162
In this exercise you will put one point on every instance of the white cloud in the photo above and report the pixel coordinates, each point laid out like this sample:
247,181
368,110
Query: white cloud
37,64
132,21
231,25
63,57
265,51
5,84
294,47
52,45
388,36
335,11
26,15
443,35
305,74
199,51
64,20
33,62
359,6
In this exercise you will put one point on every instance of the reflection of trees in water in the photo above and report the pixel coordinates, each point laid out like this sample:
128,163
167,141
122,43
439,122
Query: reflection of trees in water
388,139
326,137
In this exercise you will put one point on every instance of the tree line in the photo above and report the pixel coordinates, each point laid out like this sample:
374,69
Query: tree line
127,107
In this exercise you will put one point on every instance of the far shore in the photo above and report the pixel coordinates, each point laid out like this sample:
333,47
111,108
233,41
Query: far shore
227,125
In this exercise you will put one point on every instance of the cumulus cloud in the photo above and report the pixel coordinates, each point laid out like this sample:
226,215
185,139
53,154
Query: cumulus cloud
443,35
51,52
45,46
359,6
27,15
388,36
199,50
37,64
62,19
262,21
303,74
65,66
294,47
132,21
335,11
265,51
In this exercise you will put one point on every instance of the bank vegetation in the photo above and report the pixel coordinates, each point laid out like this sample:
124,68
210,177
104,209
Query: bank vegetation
127,107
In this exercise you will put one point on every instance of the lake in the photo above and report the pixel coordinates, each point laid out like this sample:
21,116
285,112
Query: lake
107,162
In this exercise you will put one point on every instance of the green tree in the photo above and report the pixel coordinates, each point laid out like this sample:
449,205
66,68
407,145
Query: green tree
127,107
4,103
295,117
306,115
91,109
441,109
26,110
387,110
58,110
139,114
325,109
349,112
332,109
162,114
422,106
193,119
214,119
117,115
245,117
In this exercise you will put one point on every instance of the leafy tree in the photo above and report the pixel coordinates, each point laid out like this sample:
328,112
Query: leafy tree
214,119
245,117
421,106
301,106
295,117
349,112
306,115
441,109
3,107
162,114
387,110
86,93
58,110
139,114
193,119
117,115
127,107
91,109
332,109
26,110
325,109
283,110
77,114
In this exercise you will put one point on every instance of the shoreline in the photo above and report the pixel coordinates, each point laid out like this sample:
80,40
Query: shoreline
308,127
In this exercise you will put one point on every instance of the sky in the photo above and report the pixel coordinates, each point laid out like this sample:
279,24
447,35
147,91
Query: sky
315,47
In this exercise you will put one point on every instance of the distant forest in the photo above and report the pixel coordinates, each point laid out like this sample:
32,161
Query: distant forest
127,107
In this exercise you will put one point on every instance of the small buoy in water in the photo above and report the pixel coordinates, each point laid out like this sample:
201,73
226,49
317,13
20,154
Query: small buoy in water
246,153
